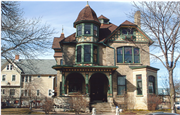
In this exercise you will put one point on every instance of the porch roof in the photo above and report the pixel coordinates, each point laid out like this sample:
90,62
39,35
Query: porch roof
60,67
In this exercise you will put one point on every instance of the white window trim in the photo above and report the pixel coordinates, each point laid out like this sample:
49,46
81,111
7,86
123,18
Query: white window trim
2,77
12,78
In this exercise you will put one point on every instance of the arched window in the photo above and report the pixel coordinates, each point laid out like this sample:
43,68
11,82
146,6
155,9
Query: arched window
128,54
151,84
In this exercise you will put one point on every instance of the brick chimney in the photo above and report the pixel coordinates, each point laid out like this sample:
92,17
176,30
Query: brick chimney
137,18
16,57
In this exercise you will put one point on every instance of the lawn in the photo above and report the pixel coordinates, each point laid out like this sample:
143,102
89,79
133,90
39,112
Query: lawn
18,111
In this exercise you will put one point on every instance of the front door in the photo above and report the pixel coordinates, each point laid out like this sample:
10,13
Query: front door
98,89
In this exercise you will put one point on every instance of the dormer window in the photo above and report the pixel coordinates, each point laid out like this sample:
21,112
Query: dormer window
127,31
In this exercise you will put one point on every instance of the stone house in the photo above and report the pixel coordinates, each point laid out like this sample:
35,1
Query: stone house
104,61
27,80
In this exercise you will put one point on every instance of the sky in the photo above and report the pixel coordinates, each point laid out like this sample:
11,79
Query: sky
60,14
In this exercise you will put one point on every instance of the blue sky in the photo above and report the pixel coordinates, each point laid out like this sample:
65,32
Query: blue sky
61,13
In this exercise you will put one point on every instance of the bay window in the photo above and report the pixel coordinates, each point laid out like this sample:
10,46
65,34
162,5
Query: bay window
86,53
151,84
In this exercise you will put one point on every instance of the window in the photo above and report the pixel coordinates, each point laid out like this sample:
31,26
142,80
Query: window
87,29
79,30
22,78
95,54
87,53
49,76
22,92
95,30
13,77
151,84
39,76
139,84
3,77
128,55
61,61
7,67
2,91
29,78
12,92
78,53
121,85
38,93
11,67
25,93
49,93
136,55
26,79
127,31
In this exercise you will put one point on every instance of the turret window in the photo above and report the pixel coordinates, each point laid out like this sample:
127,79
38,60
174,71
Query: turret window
87,29
79,30
78,53
87,53
95,30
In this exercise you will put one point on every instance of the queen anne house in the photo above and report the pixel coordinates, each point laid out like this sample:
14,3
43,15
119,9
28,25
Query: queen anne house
104,61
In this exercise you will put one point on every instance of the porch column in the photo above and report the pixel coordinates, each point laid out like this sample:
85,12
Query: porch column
63,91
110,85
87,75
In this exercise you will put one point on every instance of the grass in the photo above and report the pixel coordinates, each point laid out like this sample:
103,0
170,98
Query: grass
18,111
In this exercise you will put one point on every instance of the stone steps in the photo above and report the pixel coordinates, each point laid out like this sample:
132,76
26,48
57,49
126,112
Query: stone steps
102,107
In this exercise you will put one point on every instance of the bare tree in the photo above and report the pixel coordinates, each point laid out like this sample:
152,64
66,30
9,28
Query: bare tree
29,90
161,21
78,103
27,38
48,105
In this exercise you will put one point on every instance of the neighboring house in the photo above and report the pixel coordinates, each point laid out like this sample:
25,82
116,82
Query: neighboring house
28,79
102,60
164,94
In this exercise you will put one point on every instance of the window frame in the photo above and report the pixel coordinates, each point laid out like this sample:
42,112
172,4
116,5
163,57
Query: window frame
82,61
137,81
92,25
26,78
12,92
3,76
154,84
30,78
14,78
2,91
61,61
125,85
133,55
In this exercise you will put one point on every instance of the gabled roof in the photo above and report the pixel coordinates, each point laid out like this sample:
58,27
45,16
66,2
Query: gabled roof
35,66
106,30
102,17
70,38
56,41
128,23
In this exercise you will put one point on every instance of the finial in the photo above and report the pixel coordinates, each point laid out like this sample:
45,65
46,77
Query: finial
87,4
62,29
